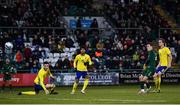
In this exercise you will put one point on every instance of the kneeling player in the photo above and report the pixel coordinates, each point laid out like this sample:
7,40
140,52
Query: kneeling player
149,68
39,82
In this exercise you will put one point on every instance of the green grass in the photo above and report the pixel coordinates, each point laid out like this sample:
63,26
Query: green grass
170,94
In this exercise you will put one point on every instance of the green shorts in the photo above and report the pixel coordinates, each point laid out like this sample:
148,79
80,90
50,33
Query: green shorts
7,77
148,72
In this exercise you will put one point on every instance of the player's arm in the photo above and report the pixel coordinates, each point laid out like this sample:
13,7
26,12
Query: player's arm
147,61
75,62
50,74
89,60
169,57
41,79
159,64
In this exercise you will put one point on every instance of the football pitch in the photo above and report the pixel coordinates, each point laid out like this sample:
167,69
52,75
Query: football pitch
125,94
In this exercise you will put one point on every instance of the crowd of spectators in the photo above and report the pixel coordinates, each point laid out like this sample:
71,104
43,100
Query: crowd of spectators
173,8
135,14
32,13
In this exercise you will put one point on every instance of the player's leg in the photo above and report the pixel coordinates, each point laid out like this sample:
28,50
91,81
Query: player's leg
8,83
161,70
157,79
37,88
76,82
142,80
159,82
3,85
86,82
27,93
145,79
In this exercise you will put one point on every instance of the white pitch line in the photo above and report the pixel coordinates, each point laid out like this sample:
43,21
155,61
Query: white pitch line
103,100
112,100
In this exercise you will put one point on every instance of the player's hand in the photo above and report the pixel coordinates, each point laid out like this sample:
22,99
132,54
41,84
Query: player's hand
86,63
169,65
53,77
75,69
144,67
157,67
47,91
6,73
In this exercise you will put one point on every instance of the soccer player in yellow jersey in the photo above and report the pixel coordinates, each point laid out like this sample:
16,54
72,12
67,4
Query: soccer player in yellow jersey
165,59
81,62
39,82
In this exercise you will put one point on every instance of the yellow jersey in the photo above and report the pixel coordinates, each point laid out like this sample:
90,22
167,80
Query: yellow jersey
163,56
80,60
42,74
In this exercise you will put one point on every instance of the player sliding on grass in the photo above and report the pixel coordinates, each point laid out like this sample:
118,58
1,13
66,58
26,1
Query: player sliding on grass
39,82
165,59
81,62
149,68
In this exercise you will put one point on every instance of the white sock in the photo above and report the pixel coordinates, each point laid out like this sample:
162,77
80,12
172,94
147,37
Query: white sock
142,90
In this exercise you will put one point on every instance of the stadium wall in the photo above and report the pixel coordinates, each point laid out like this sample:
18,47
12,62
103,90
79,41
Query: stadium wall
113,78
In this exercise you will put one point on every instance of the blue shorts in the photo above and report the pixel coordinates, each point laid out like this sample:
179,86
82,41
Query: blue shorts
37,88
81,73
161,69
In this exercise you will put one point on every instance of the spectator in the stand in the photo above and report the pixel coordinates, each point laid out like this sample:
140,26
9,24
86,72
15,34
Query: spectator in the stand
69,42
61,46
82,40
136,57
36,54
27,66
18,57
27,53
59,64
100,45
178,52
96,62
1,62
94,24
19,42
35,67
66,63
78,25
37,41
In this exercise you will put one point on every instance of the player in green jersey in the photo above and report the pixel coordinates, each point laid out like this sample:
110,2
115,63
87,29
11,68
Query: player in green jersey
7,72
149,69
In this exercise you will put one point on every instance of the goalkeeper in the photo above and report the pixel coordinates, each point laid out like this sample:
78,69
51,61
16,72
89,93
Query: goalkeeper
7,71
149,69
39,82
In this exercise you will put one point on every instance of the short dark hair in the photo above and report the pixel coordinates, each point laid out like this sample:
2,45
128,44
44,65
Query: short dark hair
163,40
46,62
150,43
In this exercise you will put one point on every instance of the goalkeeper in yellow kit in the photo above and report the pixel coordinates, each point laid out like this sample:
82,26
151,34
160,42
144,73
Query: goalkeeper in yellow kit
81,62
39,82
